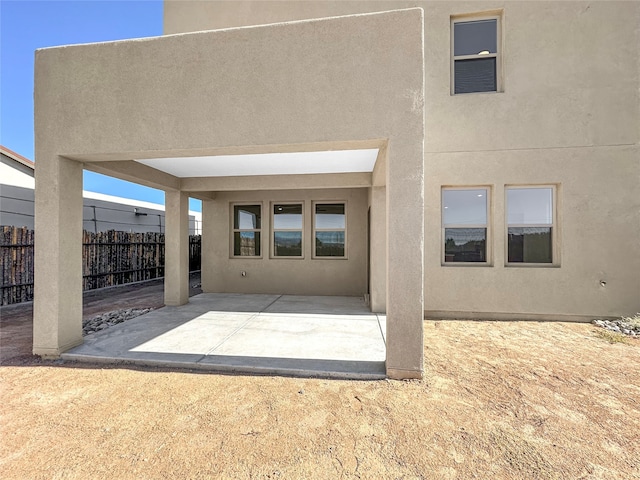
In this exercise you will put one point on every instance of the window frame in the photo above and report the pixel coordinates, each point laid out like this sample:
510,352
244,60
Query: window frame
272,248
234,230
555,250
474,17
489,237
314,229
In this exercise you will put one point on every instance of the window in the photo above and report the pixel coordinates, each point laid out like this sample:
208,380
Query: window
464,224
287,230
475,46
246,230
329,227
530,224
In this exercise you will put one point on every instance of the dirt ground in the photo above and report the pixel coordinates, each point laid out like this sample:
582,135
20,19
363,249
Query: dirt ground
501,400
16,332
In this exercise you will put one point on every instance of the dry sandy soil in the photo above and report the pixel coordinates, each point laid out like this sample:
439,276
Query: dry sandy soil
501,400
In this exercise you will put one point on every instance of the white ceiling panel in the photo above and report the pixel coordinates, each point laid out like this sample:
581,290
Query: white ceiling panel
339,161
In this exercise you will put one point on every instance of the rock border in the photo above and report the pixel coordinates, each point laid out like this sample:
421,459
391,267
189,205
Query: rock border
626,325
105,320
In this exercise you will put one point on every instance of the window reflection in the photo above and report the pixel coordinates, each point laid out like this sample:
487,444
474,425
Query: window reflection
246,217
330,215
465,244
287,230
330,244
246,230
530,244
330,229
246,244
464,218
530,224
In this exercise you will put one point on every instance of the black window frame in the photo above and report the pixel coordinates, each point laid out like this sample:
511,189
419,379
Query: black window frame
479,58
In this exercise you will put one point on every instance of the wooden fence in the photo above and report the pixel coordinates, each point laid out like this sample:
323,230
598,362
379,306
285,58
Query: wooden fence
16,264
108,258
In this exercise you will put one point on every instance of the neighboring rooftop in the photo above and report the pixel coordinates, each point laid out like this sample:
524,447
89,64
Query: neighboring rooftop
17,157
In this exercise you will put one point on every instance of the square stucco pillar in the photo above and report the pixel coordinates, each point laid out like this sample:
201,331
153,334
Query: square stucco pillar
176,248
57,307
378,251
405,261
208,250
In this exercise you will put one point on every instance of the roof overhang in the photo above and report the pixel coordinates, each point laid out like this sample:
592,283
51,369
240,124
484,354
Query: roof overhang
291,163
17,157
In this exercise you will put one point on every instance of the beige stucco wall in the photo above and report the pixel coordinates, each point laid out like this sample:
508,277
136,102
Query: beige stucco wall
598,234
570,68
569,115
283,87
304,276
133,93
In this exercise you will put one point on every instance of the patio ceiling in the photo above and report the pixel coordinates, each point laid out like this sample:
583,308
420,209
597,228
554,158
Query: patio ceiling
337,161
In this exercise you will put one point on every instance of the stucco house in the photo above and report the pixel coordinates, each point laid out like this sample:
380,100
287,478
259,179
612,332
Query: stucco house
456,160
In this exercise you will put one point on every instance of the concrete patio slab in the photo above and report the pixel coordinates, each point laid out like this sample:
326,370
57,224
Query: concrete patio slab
200,335
266,334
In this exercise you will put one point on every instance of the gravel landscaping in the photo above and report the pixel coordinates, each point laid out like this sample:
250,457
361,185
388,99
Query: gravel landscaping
108,319
625,325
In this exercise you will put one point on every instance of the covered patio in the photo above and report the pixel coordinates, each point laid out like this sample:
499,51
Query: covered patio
323,114
336,337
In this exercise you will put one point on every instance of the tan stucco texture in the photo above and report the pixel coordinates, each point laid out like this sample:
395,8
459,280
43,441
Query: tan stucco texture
328,82
295,276
567,115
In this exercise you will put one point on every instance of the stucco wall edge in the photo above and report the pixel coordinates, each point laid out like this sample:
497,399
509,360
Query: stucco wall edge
516,316
39,51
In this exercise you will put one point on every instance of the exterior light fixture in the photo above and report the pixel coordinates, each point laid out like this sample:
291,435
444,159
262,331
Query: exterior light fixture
484,52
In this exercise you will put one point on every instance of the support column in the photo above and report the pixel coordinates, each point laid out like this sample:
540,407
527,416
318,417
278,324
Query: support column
176,248
378,254
57,306
405,260
208,276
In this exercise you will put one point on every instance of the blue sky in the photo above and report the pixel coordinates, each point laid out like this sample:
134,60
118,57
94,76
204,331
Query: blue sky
27,25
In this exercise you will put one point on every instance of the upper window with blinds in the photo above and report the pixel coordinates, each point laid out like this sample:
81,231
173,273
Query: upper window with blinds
475,48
